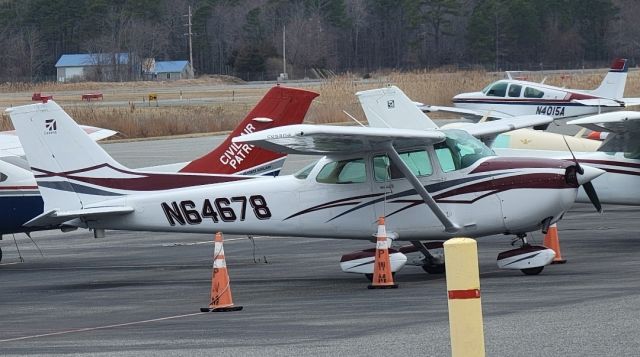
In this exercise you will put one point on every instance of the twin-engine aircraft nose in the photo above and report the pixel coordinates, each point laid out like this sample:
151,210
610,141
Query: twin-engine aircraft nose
589,173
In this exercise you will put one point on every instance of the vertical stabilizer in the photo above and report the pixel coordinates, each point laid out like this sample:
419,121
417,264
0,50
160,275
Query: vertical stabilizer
280,106
612,86
390,108
56,148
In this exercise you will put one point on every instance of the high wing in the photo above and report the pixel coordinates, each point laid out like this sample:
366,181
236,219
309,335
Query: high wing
10,144
623,125
465,113
307,139
489,130
327,139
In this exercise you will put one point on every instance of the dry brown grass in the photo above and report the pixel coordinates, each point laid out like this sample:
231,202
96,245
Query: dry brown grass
436,88
336,95
97,86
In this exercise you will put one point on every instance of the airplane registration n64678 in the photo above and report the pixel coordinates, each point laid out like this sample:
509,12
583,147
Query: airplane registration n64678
221,208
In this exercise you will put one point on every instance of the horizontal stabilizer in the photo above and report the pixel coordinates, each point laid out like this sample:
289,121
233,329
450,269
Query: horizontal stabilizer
465,113
56,217
630,102
10,144
307,139
624,126
600,102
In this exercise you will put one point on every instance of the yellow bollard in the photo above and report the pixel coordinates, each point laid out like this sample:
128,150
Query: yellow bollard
465,307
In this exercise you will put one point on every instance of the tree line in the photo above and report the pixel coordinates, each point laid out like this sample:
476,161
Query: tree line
245,37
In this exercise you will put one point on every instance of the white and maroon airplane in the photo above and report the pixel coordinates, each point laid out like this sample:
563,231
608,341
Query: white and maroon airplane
430,184
20,199
510,97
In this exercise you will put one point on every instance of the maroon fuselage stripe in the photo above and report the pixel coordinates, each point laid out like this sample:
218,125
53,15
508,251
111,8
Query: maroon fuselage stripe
464,294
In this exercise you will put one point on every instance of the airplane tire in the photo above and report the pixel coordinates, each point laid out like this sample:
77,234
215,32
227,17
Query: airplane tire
532,271
434,268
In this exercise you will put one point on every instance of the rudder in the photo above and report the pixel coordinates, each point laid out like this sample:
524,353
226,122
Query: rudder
280,106
613,84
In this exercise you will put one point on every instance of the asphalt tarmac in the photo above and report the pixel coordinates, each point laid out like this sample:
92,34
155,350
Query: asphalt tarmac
139,294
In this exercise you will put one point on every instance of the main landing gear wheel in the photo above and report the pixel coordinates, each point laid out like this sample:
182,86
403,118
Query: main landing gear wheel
532,271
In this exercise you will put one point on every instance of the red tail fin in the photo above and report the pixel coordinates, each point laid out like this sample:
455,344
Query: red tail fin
280,106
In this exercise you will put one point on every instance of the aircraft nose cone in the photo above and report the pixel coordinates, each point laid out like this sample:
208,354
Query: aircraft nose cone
590,173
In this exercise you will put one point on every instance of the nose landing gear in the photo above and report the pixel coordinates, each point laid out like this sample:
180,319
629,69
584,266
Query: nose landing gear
529,259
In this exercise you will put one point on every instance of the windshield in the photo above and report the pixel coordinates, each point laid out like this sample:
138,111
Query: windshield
486,89
305,171
460,150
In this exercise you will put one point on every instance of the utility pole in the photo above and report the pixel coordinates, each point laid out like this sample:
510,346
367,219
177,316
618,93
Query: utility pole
284,51
190,34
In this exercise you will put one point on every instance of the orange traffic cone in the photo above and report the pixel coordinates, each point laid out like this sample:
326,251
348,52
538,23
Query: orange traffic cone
551,241
221,299
382,277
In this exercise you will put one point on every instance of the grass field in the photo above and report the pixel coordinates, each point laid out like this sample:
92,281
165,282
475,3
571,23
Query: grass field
225,101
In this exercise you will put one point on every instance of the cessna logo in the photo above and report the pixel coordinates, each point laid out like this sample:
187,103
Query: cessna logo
50,126
391,104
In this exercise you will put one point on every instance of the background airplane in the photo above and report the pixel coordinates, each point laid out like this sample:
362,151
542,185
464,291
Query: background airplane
511,97
421,180
20,199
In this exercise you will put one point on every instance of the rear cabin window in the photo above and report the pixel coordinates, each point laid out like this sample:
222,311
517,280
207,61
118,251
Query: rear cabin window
498,90
343,172
3,177
533,93
417,161
514,90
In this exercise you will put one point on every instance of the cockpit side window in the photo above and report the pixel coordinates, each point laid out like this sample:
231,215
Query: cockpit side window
343,172
514,90
3,177
417,161
533,93
498,90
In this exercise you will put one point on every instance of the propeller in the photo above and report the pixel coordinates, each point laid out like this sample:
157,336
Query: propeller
588,186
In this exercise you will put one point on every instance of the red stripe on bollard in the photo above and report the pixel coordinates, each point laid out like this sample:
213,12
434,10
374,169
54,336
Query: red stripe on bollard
464,294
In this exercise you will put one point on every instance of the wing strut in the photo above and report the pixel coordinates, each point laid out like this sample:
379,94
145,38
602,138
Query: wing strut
449,226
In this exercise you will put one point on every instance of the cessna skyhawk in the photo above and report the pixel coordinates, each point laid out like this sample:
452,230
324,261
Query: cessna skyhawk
430,184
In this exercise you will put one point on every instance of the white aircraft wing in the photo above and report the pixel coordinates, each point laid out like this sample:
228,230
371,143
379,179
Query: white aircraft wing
465,113
307,139
624,127
600,102
489,130
10,144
